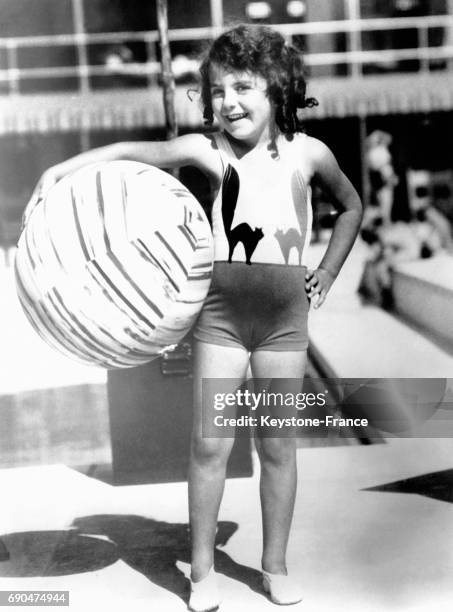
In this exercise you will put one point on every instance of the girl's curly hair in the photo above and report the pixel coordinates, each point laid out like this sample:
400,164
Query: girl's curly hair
260,50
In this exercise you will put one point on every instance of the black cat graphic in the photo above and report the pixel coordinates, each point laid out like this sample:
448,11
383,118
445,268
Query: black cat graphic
243,232
289,239
249,238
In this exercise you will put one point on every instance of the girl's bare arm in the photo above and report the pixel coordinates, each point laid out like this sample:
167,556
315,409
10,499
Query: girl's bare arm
345,199
328,174
191,149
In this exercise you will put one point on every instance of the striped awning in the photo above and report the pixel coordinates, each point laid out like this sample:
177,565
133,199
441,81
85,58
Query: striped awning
136,108
383,95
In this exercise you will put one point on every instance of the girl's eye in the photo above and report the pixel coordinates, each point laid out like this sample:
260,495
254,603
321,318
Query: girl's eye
242,88
216,93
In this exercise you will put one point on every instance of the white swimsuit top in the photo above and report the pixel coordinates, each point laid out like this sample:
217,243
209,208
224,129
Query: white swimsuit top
262,213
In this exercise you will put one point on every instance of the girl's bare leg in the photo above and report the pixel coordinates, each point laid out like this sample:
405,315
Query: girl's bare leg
278,461
209,456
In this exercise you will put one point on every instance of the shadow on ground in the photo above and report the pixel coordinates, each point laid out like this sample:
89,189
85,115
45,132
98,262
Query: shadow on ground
437,485
94,542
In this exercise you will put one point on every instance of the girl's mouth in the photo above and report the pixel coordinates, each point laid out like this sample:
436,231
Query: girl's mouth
236,117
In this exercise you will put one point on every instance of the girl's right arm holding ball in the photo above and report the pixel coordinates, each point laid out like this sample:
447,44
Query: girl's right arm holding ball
188,150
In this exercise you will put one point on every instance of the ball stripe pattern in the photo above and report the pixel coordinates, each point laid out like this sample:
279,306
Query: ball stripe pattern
114,265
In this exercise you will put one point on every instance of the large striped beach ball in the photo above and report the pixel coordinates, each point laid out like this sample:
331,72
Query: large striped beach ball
114,264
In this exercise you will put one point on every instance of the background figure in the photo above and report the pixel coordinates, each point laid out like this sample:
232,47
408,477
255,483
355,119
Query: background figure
391,244
382,176
433,228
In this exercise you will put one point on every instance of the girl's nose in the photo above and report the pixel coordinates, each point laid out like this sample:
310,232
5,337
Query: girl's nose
229,100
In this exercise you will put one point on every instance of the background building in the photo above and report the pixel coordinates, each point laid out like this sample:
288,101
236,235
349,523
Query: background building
76,74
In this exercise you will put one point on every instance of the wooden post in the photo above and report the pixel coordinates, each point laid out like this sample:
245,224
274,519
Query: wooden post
353,38
363,161
168,80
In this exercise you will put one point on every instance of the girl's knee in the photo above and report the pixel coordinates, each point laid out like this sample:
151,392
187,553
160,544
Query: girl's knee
276,451
210,450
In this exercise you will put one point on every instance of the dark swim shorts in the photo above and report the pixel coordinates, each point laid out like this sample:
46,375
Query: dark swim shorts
258,306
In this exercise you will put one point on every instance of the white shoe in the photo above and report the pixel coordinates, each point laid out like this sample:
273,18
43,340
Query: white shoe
282,590
205,595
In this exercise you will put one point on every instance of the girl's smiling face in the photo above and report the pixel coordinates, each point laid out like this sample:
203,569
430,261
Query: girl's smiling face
241,105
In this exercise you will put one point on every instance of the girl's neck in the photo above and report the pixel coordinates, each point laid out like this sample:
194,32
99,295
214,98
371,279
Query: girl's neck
266,140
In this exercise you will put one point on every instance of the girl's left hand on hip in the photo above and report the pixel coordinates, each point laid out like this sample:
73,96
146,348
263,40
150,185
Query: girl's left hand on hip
317,285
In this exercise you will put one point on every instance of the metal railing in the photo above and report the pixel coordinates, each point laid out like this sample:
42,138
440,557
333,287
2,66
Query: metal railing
355,57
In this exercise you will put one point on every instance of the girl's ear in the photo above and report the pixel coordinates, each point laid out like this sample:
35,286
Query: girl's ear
194,95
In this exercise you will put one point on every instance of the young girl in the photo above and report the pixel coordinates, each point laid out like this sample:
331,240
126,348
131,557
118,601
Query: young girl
260,166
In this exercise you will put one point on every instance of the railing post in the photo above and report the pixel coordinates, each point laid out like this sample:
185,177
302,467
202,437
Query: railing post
423,43
449,33
11,56
82,55
82,59
217,14
354,40
151,56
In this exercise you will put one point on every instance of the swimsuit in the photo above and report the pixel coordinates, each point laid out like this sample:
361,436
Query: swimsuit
261,222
